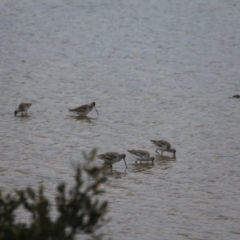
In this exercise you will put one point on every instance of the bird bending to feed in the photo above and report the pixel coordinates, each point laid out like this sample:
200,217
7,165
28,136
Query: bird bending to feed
236,96
141,155
164,146
23,107
112,157
84,109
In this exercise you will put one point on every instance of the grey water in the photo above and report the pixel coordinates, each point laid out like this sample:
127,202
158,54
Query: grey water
156,70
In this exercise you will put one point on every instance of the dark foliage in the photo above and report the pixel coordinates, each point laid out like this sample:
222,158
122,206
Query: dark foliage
78,210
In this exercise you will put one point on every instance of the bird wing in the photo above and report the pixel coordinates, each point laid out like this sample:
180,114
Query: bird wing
23,106
79,109
153,141
165,143
108,156
161,143
139,153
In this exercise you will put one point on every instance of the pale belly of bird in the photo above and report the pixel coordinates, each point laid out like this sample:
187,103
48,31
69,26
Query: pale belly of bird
143,158
163,148
82,113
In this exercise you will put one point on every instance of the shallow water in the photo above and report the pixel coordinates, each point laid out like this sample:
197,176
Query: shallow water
156,70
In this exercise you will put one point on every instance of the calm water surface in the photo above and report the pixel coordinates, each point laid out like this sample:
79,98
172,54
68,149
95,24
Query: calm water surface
156,70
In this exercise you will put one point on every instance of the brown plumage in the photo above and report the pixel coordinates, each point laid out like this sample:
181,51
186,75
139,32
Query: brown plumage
112,157
23,107
164,146
84,109
236,96
141,155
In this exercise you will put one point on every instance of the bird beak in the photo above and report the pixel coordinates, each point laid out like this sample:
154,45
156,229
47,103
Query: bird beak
96,110
125,162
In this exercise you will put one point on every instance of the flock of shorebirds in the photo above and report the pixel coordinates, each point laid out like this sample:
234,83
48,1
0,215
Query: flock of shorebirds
112,157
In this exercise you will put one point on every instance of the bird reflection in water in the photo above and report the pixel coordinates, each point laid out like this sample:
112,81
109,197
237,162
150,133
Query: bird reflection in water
113,172
164,162
84,118
141,167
